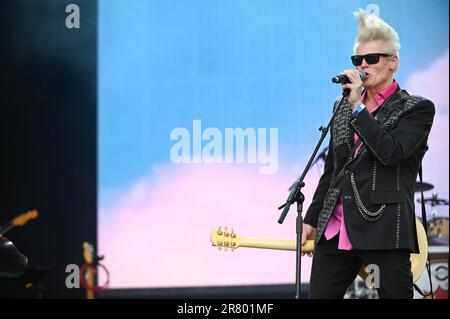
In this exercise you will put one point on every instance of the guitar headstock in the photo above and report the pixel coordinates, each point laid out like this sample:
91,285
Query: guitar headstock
223,238
88,252
24,218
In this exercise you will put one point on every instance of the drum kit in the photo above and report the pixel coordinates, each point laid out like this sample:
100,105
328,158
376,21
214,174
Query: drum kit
437,233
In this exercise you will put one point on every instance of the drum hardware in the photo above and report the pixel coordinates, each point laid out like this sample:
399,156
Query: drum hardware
434,200
437,231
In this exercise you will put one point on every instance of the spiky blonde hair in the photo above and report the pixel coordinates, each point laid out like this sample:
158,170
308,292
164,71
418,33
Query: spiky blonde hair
371,27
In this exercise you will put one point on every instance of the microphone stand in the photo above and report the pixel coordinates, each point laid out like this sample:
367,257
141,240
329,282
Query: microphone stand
296,196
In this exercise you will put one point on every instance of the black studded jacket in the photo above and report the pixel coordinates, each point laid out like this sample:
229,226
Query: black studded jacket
378,183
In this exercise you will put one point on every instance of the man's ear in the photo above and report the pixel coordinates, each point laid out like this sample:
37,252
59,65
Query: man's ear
393,63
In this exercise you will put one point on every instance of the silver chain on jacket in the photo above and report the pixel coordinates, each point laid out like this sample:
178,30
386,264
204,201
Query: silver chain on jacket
365,213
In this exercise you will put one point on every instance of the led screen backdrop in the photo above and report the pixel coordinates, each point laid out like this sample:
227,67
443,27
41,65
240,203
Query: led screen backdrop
208,111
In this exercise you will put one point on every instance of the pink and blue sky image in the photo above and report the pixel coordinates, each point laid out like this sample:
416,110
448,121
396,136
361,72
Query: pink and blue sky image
233,64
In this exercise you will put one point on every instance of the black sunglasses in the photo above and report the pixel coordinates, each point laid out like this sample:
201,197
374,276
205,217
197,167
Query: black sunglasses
371,58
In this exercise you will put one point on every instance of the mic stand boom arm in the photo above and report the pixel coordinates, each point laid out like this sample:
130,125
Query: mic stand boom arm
296,196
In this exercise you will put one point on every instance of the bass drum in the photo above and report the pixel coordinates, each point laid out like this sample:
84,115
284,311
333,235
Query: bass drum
439,275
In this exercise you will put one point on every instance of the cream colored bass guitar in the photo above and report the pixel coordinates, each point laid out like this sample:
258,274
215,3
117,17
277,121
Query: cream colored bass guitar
225,239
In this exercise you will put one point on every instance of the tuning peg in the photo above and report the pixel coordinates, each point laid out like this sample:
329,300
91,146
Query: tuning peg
219,230
233,235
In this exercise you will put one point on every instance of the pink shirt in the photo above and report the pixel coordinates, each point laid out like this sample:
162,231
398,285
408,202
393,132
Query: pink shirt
336,223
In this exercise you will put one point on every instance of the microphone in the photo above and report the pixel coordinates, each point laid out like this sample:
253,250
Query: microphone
344,79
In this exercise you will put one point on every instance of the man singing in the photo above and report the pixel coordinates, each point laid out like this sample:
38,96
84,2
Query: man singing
363,208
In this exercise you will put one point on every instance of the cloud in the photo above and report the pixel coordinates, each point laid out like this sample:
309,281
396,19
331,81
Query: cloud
432,83
158,233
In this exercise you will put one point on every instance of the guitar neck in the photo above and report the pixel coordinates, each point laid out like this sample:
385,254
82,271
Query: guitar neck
276,244
6,228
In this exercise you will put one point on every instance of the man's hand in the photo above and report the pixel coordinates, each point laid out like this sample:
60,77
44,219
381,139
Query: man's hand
308,232
355,87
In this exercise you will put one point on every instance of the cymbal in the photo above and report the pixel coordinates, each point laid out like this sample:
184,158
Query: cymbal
425,187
